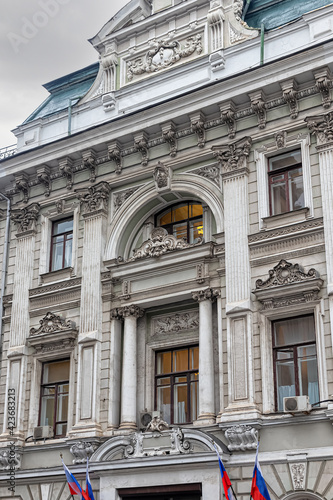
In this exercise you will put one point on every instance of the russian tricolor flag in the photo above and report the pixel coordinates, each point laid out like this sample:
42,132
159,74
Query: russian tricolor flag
259,489
89,491
74,487
225,479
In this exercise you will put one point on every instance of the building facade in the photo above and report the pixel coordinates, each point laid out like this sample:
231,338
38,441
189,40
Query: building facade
167,249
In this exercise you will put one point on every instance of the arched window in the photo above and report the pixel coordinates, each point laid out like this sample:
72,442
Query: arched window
184,220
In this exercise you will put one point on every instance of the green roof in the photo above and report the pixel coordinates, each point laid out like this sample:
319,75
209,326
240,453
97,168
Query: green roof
275,13
70,87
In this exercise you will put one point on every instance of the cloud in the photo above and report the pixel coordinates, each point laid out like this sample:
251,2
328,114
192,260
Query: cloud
42,40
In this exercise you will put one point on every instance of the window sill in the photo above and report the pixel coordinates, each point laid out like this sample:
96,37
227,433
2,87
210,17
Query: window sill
59,275
279,220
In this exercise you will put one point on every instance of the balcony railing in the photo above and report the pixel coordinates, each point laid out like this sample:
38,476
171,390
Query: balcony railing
8,151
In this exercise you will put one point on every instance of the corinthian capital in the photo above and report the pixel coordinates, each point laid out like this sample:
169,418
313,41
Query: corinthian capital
132,310
322,127
95,198
207,294
26,218
233,156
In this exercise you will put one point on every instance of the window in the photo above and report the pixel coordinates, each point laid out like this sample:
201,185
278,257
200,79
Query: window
62,242
186,491
176,386
54,396
184,220
285,182
295,359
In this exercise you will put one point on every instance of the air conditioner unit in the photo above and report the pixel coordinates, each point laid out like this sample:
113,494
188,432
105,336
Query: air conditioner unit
296,404
43,432
147,416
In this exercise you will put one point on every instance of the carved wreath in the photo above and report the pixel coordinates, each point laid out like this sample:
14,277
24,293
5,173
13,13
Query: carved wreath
52,323
285,273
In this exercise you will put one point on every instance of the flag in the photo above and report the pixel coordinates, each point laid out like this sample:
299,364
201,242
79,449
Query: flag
74,487
259,489
89,491
225,478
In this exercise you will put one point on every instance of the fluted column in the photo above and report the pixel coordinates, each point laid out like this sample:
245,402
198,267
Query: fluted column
25,220
233,159
94,207
206,356
128,411
322,127
115,369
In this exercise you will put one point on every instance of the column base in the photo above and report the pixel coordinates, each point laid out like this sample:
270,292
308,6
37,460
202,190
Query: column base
237,413
205,419
128,426
85,431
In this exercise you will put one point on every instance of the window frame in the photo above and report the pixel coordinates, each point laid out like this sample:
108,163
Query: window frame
174,374
187,220
61,382
53,243
294,347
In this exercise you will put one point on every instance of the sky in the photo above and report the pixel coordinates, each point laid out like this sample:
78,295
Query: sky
41,40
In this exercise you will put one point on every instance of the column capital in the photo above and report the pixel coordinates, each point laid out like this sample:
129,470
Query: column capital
233,156
207,294
131,310
322,127
26,218
95,198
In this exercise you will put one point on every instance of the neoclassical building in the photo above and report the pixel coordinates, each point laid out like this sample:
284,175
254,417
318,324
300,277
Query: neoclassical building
166,239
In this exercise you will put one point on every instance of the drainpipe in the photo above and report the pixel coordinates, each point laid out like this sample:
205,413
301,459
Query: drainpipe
262,40
4,265
70,104
246,8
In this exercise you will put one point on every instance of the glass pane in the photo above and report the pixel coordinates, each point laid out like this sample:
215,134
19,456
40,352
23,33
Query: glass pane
194,358
195,210
296,191
57,255
180,380
68,253
62,407
163,381
194,401
285,160
180,231
278,197
164,218
63,226
180,404
180,360
308,373
47,410
180,213
196,231
61,429
294,331
56,372
164,402
163,362
285,378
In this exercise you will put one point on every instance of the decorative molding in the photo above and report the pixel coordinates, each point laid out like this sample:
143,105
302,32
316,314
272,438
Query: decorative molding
238,9
43,176
235,35
233,156
163,54
22,184
280,139
323,79
109,101
51,323
114,154
212,173
241,438
258,104
151,444
286,230
10,460
157,425
89,161
26,218
217,60
289,92
60,206
228,111
159,243
298,475
198,127
95,198
55,287
201,273
322,127
81,450
161,177
169,135
120,197
67,170
207,294
285,273
175,323
141,145
132,310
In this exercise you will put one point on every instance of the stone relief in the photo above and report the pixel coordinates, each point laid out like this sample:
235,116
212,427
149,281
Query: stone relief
176,323
9,460
241,438
289,92
258,105
159,243
142,146
157,443
280,139
170,136
157,425
26,218
232,156
161,176
43,176
212,173
22,184
82,450
198,127
163,54
114,154
324,84
207,294
52,323
228,117
89,161
322,127
285,273
298,475
95,197
120,198
67,170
